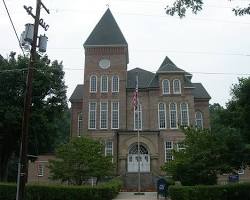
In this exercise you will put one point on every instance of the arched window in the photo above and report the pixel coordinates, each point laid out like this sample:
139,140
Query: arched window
104,83
165,86
173,115
138,118
199,119
177,86
115,84
79,124
184,114
93,84
162,116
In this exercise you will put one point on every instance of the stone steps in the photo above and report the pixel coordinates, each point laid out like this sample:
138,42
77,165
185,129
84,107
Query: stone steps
131,182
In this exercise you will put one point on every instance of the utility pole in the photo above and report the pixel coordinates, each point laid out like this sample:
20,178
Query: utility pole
23,161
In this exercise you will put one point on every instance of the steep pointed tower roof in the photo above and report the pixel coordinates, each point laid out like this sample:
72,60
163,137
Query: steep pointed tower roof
168,66
106,33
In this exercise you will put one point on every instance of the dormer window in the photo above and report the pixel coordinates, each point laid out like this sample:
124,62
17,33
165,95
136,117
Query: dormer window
93,84
165,87
115,84
177,86
104,84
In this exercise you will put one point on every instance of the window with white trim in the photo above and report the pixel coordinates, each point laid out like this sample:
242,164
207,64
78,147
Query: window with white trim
173,115
115,83
138,118
180,146
115,115
199,120
93,84
109,148
40,169
176,86
79,124
92,115
103,115
162,116
104,84
169,151
165,86
184,114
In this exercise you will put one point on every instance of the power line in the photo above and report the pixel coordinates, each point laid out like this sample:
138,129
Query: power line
13,26
81,69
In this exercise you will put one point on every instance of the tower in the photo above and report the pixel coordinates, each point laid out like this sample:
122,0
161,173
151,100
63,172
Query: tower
105,75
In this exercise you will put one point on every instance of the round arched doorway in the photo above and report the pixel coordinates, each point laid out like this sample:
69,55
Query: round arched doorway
133,161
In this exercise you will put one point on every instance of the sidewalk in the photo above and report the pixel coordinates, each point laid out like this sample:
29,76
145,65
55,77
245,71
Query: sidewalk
132,196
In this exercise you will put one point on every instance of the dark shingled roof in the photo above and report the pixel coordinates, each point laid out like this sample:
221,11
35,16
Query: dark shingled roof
168,66
200,92
77,95
106,32
144,78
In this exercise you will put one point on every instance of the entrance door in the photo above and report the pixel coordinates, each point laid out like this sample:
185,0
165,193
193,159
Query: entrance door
133,159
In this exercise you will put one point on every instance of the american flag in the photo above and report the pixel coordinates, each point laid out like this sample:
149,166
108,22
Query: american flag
135,95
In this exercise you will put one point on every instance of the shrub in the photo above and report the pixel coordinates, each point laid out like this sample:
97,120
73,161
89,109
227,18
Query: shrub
216,192
105,191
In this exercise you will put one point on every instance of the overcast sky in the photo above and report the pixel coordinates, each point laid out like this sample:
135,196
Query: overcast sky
213,45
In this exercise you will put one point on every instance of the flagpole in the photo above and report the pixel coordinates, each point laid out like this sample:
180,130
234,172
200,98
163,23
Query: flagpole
138,139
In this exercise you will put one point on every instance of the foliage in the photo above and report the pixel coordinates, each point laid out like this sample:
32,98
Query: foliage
216,192
238,108
180,7
79,160
207,154
57,192
48,106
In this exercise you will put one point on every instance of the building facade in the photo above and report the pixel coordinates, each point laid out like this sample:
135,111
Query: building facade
102,107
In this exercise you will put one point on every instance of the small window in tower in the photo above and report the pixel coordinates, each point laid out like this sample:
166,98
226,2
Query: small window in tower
104,84
115,84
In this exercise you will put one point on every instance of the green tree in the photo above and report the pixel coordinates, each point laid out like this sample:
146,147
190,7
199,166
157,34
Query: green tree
238,108
180,7
79,160
48,106
206,155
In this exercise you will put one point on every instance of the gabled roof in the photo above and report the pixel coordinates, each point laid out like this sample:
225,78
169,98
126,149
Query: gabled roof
144,78
77,95
106,33
168,66
200,92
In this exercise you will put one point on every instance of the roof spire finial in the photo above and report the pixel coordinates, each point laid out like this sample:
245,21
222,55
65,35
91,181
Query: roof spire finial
107,5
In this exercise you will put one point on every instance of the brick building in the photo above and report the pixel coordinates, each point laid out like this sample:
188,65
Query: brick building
102,105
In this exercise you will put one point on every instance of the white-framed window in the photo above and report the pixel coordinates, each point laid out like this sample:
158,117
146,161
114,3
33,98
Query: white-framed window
138,118
40,168
103,115
162,116
92,115
165,86
109,148
115,115
184,114
173,115
93,84
176,86
241,171
180,146
104,84
79,124
169,146
199,120
115,84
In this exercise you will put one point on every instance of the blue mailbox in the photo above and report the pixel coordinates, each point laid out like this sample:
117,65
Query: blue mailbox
162,188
